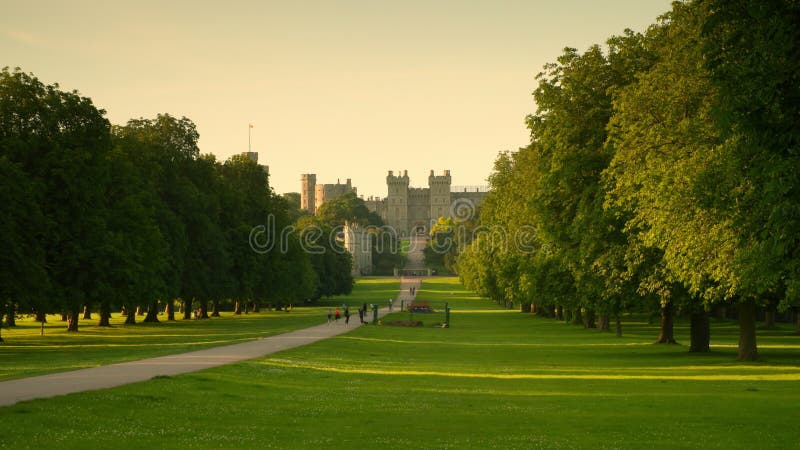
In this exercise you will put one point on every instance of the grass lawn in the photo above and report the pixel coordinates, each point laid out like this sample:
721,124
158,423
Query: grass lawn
496,379
25,352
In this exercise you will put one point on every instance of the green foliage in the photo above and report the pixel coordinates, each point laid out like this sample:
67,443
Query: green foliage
345,208
61,142
130,215
349,208
661,168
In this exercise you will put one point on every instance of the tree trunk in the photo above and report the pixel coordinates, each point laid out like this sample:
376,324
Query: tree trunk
748,351
11,315
215,308
667,335
237,308
105,314
700,332
797,320
590,319
619,327
72,321
187,309
139,311
41,317
87,313
63,317
203,309
256,307
525,307
577,318
152,313
769,318
723,312
559,312
130,317
170,309
605,323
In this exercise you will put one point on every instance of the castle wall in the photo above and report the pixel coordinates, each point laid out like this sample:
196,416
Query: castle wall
377,206
404,208
328,192
419,202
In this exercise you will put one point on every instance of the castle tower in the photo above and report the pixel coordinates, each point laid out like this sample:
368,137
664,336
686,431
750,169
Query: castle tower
307,192
397,202
440,195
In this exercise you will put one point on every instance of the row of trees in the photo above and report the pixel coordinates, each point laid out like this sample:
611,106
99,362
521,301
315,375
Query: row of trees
664,170
104,217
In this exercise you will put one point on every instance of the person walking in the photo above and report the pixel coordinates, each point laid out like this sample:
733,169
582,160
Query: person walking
390,304
346,315
336,315
330,316
361,313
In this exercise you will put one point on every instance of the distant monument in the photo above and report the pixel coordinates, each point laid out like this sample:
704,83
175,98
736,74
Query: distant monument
408,210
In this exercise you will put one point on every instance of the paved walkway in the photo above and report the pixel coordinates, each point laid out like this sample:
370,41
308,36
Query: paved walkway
113,375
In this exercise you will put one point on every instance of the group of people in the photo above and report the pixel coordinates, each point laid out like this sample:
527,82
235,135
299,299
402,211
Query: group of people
334,314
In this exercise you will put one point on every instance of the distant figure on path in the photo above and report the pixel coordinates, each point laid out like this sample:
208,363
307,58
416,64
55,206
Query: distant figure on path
361,313
390,304
346,315
336,314
330,316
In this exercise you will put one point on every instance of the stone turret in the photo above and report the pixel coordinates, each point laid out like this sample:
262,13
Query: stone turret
307,192
397,201
440,194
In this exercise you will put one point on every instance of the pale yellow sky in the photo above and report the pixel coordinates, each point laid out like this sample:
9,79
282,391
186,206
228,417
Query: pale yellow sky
343,89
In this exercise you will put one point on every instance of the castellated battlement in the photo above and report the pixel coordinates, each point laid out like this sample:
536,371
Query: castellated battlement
313,195
407,209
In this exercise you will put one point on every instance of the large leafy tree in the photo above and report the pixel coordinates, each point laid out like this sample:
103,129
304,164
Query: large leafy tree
61,142
346,208
751,51
23,278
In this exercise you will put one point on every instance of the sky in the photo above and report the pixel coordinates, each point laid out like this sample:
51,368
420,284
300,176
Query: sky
342,89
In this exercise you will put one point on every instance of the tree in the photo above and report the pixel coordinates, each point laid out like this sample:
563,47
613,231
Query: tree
61,142
750,50
23,278
345,208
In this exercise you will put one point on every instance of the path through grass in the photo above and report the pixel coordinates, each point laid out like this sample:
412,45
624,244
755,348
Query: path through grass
26,353
496,379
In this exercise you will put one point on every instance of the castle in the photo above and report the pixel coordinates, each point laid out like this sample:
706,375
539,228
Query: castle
408,210
313,195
